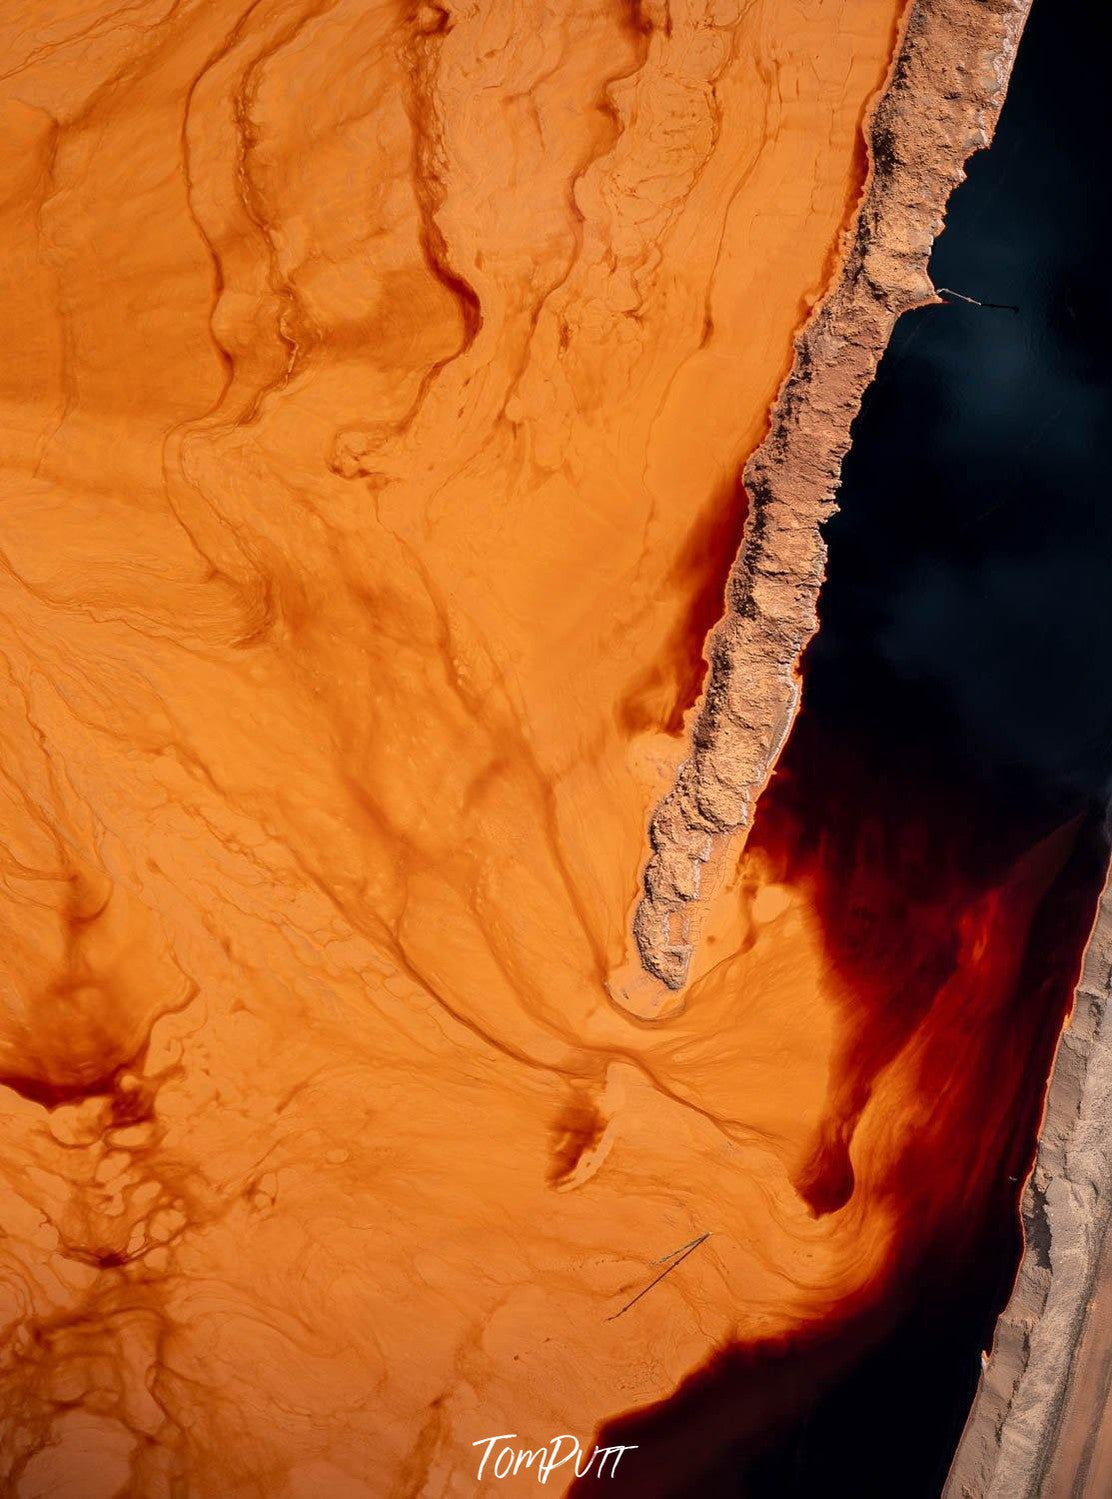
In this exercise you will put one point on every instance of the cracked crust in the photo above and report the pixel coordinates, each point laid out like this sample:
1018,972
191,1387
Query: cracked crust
941,104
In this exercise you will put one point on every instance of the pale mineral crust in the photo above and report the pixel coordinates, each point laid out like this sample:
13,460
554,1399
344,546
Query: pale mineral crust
947,86
1039,1423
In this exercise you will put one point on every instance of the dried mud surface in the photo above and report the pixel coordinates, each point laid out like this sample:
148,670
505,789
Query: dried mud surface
377,380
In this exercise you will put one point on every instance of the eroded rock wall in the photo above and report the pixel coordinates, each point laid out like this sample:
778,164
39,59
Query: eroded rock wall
942,104
1039,1424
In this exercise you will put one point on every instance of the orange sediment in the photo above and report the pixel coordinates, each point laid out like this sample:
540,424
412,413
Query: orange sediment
378,385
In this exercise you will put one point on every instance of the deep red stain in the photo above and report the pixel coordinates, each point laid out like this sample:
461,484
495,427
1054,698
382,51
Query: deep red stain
664,692
955,923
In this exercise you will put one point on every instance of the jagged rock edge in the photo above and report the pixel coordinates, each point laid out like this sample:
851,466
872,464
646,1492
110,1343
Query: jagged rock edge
1008,1444
940,104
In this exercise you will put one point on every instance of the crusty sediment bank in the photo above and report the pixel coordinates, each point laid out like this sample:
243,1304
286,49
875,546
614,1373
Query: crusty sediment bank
942,100
1040,1423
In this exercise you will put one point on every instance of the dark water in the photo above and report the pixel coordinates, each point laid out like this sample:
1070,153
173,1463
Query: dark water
966,638
958,701
972,556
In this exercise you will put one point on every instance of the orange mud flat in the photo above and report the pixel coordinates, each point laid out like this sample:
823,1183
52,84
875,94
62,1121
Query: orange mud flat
377,380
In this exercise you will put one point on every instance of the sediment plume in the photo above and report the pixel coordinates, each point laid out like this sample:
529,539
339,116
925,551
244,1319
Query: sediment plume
954,930
942,103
